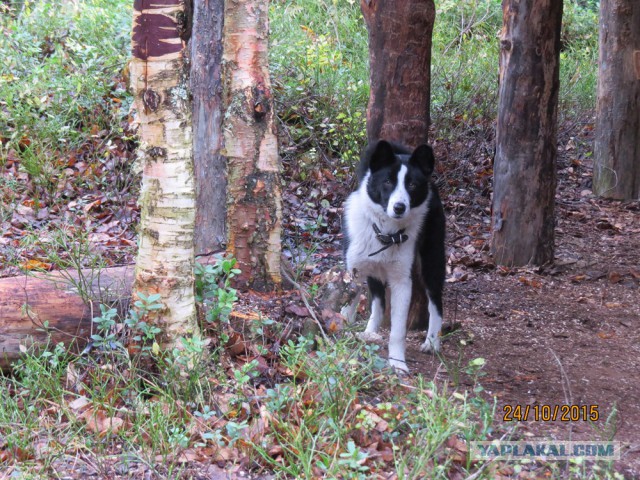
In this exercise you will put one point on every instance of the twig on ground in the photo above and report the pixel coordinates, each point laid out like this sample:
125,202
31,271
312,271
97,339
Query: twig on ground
303,295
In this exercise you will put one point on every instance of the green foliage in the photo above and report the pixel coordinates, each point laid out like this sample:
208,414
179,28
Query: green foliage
213,287
57,78
69,249
578,59
319,60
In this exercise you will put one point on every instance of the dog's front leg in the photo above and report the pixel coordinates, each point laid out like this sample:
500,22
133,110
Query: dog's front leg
400,300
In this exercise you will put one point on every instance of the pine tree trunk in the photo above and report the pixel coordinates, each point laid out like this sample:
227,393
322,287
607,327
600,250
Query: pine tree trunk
159,76
526,136
206,88
616,172
254,212
400,34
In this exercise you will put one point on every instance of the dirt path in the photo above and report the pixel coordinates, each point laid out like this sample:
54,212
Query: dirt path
566,335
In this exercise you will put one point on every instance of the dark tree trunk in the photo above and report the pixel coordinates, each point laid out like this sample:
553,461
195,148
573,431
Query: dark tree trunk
206,88
400,35
616,172
400,66
526,136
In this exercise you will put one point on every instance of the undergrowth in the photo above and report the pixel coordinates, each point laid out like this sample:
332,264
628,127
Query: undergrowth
66,152
249,392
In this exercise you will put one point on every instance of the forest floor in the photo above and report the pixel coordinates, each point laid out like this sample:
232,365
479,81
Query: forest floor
564,334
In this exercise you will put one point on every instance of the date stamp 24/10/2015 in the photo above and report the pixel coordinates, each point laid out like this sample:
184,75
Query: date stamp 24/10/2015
550,413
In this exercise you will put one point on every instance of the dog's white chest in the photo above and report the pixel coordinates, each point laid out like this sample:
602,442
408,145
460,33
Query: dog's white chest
365,253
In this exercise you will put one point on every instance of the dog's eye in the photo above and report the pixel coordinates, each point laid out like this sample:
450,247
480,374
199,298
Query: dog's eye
387,182
411,186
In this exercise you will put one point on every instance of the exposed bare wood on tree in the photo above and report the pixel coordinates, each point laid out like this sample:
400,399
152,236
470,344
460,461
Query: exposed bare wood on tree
526,136
254,212
206,88
400,34
616,172
400,37
159,78
26,303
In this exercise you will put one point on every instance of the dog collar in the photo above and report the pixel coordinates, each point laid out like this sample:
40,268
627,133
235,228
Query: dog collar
388,239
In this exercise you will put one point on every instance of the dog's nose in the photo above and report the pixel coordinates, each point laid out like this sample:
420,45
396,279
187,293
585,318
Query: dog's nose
399,208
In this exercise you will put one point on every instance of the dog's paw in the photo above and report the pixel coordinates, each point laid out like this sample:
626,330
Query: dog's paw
431,345
399,367
370,337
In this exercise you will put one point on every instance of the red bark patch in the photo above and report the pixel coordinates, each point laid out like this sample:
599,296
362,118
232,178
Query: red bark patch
152,30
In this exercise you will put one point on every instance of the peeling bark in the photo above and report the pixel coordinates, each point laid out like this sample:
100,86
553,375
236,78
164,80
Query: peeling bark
616,172
526,135
159,80
254,212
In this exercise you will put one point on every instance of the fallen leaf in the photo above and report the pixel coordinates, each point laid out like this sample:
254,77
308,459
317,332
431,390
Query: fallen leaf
606,335
98,422
298,310
614,277
79,403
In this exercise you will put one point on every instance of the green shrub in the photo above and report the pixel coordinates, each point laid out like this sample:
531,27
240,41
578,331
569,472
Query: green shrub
57,79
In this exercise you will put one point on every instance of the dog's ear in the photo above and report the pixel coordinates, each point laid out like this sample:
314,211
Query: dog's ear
381,156
422,157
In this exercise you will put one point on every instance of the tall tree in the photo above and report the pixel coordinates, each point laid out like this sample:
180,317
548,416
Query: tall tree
208,141
400,35
400,38
254,211
616,172
159,79
526,136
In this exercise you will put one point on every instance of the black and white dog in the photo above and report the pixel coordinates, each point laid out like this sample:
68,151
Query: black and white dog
394,218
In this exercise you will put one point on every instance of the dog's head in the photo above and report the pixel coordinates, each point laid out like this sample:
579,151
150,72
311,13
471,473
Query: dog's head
399,180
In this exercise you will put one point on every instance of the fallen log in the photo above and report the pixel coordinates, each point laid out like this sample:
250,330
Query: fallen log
36,308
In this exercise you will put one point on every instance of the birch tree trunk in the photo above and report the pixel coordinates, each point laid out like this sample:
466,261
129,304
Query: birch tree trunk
526,135
206,88
254,212
159,76
616,170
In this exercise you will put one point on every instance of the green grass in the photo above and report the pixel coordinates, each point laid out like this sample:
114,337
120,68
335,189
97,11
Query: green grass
61,61
319,62
321,418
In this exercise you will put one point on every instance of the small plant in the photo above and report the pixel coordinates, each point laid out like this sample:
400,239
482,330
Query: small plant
279,397
235,431
106,338
354,458
213,288
246,373
206,413
178,437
